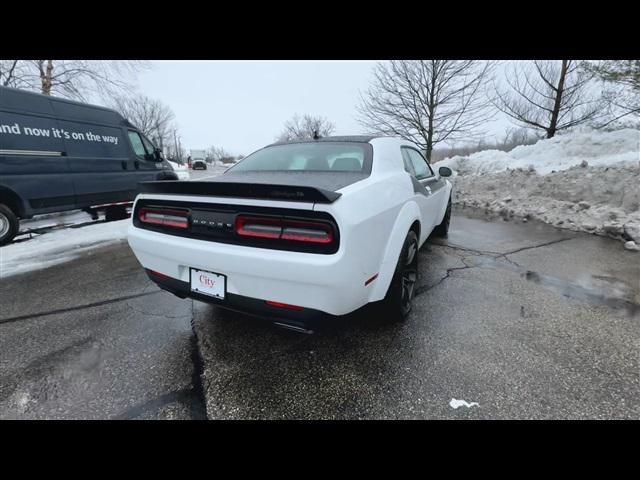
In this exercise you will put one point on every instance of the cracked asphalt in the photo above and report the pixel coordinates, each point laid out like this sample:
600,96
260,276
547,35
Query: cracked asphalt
94,339
526,320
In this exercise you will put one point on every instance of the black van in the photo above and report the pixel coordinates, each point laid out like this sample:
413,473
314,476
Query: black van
58,155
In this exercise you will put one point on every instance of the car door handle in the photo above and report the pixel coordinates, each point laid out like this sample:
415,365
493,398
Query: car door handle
124,164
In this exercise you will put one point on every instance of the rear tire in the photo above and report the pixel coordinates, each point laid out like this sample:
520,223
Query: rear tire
397,302
9,224
442,230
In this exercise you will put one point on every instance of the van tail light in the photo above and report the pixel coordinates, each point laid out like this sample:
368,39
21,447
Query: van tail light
164,217
284,229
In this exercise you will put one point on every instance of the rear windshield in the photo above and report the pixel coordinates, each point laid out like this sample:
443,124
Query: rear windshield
309,157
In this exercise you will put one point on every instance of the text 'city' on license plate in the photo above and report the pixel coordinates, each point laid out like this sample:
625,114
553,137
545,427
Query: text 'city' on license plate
208,283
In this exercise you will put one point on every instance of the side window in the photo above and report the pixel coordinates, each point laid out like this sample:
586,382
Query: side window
136,143
420,165
407,161
148,145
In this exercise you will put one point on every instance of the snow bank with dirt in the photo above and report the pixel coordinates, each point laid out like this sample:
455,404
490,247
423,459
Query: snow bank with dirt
58,246
597,148
584,181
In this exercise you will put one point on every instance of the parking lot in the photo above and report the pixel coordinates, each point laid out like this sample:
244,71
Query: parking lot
518,320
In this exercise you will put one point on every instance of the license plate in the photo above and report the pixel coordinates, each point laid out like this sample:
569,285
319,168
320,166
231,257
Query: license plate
208,283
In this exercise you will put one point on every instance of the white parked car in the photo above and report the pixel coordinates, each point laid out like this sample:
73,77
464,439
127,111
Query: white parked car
297,230
181,170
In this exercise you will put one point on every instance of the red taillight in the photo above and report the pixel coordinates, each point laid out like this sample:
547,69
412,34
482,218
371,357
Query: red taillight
258,227
311,232
165,217
284,229
283,305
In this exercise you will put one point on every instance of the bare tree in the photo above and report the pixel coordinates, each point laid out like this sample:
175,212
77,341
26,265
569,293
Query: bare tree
75,79
174,150
427,101
215,154
155,119
515,137
300,128
621,85
15,73
548,95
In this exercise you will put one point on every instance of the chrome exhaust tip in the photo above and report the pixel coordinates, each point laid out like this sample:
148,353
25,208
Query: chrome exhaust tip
295,328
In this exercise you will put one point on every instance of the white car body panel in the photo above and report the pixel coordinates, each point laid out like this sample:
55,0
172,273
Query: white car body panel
181,170
373,215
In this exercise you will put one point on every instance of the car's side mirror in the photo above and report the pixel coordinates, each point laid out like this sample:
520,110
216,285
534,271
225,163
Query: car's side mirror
445,171
157,155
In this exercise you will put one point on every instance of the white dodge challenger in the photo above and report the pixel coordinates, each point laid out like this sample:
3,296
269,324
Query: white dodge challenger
297,230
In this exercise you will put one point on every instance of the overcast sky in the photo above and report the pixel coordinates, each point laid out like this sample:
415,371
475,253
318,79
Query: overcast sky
242,105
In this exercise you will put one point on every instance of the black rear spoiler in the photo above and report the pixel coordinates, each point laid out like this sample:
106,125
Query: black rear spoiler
263,191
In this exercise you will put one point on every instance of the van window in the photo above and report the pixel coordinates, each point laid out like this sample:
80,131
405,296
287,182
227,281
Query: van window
92,141
148,145
136,143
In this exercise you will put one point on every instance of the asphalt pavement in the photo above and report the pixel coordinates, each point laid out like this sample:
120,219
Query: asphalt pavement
517,320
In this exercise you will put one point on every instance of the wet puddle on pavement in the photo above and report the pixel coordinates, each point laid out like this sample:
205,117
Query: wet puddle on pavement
595,289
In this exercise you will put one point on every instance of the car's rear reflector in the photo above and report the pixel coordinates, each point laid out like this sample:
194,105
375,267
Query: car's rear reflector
284,229
283,305
164,217
370,280
158,274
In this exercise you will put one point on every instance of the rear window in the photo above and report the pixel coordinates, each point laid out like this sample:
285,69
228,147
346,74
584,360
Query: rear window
310,157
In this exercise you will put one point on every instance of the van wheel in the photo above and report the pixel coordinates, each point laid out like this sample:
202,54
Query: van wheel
9,224
399,298
118,212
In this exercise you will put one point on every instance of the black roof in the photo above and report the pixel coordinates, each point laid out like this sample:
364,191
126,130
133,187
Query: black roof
36,103
344,138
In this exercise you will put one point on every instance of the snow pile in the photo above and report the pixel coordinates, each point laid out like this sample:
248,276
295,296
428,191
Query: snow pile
583,181
561,152
177,166
58,247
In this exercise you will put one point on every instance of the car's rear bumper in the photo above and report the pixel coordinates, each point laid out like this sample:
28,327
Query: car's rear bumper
239,303
333,284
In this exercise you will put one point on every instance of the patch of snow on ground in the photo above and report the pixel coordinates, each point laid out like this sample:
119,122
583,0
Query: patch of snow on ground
587,181
58,247
455,404
178,166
